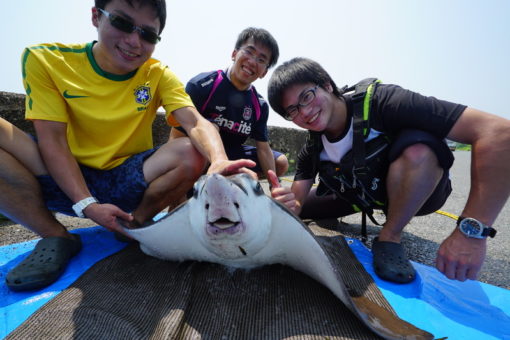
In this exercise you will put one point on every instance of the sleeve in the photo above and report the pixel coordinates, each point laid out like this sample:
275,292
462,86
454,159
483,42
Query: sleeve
173,95
305,167
43,100
396,108
196,95
260,133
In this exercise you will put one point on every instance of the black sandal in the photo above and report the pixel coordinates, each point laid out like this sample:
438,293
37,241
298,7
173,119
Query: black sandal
45,264
391,263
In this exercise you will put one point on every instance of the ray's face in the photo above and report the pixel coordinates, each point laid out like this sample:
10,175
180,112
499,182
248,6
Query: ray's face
231,216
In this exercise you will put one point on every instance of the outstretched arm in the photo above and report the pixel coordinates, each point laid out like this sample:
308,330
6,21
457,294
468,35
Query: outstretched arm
460,257
489,136
206,139
64,169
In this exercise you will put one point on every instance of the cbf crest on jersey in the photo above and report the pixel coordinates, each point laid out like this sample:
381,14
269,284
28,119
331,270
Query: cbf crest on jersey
143,94
247,113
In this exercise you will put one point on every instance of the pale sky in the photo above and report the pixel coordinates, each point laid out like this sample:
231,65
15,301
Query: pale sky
456,50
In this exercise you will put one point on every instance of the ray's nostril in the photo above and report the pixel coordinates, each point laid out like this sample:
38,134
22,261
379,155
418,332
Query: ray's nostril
207,206
236,205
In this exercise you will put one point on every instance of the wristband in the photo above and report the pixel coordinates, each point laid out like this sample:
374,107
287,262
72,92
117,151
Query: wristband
78,207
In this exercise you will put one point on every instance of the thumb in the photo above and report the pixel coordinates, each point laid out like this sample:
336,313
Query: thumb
124,215
274,182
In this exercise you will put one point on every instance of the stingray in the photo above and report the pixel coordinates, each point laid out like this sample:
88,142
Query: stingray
231,221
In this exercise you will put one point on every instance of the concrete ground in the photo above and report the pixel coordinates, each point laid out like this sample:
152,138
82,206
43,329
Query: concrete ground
421,237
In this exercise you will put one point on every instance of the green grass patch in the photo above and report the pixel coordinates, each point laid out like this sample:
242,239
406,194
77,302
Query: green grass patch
463,147
292,165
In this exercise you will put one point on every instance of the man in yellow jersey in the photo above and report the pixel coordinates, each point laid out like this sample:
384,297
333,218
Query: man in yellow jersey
92,106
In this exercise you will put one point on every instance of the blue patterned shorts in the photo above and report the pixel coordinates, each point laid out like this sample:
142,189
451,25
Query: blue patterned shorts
122,186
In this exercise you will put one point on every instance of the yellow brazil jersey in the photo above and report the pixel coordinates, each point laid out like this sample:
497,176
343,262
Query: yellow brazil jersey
109,117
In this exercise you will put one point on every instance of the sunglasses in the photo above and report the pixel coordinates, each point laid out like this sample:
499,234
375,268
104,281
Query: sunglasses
127,26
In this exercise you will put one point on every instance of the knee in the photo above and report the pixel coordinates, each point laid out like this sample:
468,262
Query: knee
192,163
178,159
281,165
418,155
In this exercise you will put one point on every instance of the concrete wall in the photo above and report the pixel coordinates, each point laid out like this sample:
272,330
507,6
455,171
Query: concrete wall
286,140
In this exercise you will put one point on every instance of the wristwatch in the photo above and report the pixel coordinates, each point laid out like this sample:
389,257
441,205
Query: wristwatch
79,206
473,228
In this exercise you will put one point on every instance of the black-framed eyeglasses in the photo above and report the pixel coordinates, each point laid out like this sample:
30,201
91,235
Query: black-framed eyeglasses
305,99
262,61
126,26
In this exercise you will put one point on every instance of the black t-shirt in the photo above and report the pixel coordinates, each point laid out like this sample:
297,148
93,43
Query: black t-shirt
232,110
393,109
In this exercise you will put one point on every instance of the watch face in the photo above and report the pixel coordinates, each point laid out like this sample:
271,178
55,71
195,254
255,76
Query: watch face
470,227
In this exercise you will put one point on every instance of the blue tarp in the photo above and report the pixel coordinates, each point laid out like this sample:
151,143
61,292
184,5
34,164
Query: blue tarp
445,308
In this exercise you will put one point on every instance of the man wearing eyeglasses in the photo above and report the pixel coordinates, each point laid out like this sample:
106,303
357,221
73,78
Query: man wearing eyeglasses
93,105
228,99
416,176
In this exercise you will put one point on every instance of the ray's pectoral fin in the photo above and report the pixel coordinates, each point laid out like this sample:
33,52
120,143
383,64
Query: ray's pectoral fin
170,235
330,261
370,304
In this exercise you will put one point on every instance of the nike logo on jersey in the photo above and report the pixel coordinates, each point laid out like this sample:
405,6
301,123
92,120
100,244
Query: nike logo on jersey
70,96
220,108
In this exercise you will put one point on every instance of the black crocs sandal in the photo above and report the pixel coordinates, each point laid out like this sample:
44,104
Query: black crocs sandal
44,265
391,263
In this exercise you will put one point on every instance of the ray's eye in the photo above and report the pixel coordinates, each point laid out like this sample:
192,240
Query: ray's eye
195,190
207,206
258,188
236,205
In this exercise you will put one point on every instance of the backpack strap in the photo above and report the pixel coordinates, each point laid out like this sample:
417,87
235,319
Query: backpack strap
217,82
361,103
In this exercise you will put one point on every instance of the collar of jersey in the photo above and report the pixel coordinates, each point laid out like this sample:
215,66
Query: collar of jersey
103,73
227,72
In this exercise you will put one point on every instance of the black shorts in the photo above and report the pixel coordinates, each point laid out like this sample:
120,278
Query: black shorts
328,207
248,152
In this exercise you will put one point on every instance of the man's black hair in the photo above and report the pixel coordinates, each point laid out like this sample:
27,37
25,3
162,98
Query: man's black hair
292,72
158,5
260,36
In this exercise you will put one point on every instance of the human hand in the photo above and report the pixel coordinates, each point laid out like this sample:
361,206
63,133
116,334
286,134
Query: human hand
226,167
460,257
107,215
282,194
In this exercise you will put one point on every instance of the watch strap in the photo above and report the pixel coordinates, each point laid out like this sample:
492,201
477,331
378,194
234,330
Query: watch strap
487,231
460,219
79,206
